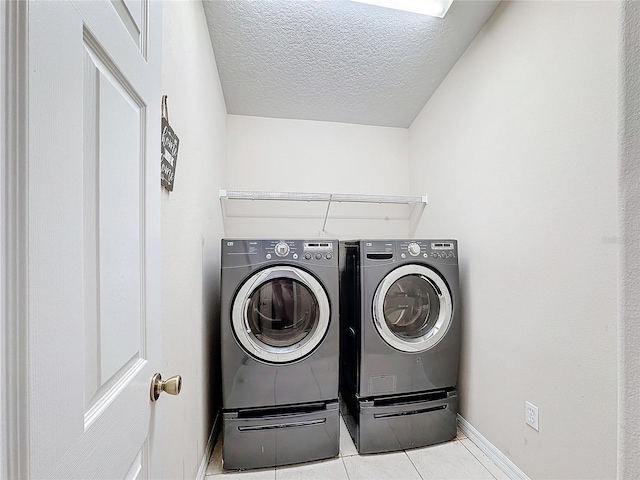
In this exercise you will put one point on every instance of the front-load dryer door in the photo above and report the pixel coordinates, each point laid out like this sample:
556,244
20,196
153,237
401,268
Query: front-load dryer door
412,308
280,314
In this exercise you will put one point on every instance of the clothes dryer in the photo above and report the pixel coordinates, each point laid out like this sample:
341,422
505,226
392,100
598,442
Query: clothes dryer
400,342
280,346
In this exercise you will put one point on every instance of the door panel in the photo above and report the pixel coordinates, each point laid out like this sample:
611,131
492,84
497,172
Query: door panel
132,13
118,227
94,193
136,471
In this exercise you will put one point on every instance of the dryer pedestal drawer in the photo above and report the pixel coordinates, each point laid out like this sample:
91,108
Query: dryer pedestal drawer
267,441
385,428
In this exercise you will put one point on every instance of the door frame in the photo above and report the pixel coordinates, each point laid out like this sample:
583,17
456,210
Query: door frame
14,380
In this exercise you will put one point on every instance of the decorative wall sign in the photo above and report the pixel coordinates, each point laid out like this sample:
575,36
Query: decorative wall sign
168,149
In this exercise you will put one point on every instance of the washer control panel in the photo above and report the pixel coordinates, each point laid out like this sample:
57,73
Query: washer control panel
247,252
443,250
318,250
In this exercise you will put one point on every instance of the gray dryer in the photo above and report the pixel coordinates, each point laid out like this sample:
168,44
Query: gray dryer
400,342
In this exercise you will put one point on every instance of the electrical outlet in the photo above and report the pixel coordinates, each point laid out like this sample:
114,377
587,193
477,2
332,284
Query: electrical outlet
531,415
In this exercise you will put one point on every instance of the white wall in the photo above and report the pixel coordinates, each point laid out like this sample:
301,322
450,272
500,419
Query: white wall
191,232
311,156
518,153
629,335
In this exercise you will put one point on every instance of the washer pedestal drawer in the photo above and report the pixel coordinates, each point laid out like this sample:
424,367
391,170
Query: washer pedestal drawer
271,440
398,425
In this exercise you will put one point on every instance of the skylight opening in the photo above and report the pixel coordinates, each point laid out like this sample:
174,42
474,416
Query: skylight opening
432,8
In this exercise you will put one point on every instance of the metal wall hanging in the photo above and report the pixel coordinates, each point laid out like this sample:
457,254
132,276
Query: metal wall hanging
168,149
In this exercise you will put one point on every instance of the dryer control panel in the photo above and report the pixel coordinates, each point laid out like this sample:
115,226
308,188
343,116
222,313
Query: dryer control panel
432,249
238,252
381,251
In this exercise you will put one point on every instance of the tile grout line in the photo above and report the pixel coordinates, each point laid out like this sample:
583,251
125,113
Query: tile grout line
479,461
414,465
345,467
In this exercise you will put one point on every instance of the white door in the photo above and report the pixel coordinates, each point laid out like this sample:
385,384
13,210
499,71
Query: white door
93,236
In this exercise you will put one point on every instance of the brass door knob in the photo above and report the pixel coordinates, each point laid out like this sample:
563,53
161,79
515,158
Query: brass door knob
172,386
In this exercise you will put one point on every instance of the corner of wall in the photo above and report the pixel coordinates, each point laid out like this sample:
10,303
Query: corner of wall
191,233
629,262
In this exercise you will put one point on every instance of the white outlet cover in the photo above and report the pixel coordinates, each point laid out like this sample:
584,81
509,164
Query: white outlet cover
531,415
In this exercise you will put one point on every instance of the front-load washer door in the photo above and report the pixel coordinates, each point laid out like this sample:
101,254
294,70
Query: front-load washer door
412,308
280,314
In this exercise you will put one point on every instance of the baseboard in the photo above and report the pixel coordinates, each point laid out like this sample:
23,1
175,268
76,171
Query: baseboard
490,450
210,444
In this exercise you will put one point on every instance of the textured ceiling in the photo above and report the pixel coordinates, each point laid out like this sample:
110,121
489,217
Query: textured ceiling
336,60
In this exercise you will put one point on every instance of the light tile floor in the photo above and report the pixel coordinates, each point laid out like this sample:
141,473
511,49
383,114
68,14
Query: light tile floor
459,459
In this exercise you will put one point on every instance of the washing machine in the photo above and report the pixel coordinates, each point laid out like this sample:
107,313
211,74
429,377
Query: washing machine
279,352
400,342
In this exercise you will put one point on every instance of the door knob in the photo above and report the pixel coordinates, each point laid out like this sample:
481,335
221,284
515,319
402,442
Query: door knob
172,386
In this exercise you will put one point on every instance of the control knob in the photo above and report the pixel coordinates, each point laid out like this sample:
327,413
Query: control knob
414,249
282,249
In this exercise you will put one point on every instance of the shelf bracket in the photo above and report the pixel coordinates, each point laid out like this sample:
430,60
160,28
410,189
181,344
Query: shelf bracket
416,214
326,215
223,207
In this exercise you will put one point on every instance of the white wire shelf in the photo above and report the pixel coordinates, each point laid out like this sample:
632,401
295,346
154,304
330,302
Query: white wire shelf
253,204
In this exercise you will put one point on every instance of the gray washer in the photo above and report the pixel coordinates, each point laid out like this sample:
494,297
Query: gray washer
400,343
280,345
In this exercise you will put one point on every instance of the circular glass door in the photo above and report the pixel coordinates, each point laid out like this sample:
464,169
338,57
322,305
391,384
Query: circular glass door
280,314
412,308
